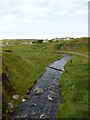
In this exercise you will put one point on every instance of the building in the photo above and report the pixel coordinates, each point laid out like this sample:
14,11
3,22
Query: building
46,40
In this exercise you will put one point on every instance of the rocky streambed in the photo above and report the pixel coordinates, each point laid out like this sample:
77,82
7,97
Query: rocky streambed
44,98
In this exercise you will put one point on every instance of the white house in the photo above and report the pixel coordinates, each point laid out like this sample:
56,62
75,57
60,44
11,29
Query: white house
67,38
46,40
5,44
30,43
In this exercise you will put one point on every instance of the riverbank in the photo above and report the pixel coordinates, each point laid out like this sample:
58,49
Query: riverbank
74,89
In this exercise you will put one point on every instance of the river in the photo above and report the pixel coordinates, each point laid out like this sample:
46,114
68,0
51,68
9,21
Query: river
45,96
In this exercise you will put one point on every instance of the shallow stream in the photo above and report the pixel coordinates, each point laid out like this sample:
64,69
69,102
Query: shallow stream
45,97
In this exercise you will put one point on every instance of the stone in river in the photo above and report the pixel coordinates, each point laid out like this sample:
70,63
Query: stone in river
34,104
23,100
42,116
38,90
50,98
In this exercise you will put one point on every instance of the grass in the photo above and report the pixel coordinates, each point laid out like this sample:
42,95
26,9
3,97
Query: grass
26,63
74,89
80,47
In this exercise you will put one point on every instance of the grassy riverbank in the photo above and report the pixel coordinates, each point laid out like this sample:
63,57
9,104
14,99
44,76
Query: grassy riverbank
74,89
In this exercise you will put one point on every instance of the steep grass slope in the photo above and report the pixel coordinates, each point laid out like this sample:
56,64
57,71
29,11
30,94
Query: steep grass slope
74,89
22,67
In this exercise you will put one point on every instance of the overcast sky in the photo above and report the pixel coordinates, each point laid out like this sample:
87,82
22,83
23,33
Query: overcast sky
43,18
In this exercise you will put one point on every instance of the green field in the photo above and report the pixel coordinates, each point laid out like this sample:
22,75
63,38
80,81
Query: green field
26,63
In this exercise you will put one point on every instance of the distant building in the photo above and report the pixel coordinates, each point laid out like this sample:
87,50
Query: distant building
67,38
30,43
26,43
6,44
55,40
46,40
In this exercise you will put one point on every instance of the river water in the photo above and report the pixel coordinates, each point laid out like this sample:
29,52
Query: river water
45,97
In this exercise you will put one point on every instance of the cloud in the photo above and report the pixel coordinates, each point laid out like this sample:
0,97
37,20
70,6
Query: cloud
31,18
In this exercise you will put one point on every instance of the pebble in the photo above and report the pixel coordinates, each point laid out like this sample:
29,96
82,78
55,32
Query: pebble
15,97
10,106
50,98
42,116
23,100
38,90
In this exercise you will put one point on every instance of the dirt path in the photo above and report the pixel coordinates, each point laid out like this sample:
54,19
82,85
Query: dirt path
75,53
